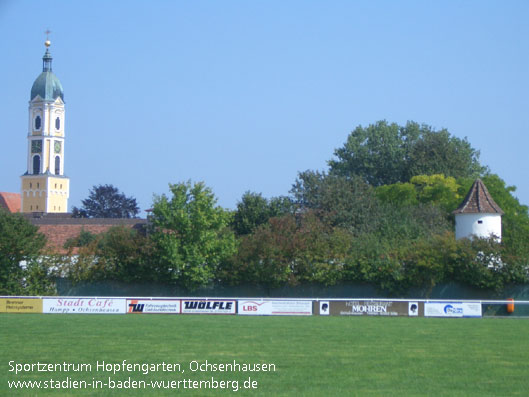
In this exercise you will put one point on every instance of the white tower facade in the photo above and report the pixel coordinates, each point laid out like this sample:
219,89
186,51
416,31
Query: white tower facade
45,188
478,215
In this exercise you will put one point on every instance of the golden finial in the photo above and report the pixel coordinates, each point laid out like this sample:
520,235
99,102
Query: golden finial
47,43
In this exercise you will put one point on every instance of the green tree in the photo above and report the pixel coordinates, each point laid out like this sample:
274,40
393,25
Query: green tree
105,201
438,152
426,189
254,210
384,154
396,224
21,244
289,250
338,201
191,234
119,254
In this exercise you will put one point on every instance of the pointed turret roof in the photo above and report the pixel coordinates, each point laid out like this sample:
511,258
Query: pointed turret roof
478,201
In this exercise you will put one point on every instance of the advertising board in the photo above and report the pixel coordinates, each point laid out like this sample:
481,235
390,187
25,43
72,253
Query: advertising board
20,305
208,306
452,309
368,308
161,306
84,305
256,307
324,308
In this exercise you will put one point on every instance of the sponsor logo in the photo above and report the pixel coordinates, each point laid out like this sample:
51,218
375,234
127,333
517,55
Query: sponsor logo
413,308
21,305
153,306
449,309
196,306
135,307
275,307
369,309
84,305
324,308
251,306
452,309
208,305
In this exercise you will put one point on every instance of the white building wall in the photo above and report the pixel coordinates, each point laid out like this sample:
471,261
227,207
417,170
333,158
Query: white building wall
480,225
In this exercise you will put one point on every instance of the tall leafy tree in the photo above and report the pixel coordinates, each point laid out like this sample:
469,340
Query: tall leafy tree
438,152
384,154
106,201
20,246
254,210
339,201
191,234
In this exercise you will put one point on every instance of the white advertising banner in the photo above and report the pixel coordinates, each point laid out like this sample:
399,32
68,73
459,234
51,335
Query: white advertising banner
84,305
257,307
210,306
452,309
161,306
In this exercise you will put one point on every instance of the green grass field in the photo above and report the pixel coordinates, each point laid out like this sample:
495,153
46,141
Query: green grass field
313,356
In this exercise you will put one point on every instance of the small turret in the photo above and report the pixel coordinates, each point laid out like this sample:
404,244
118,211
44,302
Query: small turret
478,215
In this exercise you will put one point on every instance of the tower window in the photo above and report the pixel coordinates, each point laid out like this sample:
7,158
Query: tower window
480,222
57,123
37,122
57,165
36,164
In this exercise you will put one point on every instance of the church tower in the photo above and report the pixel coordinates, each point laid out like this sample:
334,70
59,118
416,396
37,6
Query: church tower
44,186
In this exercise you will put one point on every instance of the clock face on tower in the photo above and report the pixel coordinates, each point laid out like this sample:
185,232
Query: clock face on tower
36,146
57,147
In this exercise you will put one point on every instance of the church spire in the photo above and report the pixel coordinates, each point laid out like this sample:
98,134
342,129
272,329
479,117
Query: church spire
46,59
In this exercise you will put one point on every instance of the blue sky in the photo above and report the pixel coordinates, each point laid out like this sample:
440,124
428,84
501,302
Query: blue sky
243,95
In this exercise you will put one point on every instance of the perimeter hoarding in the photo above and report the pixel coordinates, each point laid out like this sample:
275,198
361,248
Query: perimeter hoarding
452,309
208,306
256,307
148,306
84,305
368,308
20,305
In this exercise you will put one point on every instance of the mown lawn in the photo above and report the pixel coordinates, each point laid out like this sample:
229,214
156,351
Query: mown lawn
313,356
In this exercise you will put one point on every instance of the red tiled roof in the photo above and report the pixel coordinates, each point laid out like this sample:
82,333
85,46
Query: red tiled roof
10,201
58,235
59,228
478,201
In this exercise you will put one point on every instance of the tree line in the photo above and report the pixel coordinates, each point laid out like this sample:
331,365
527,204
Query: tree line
380,214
